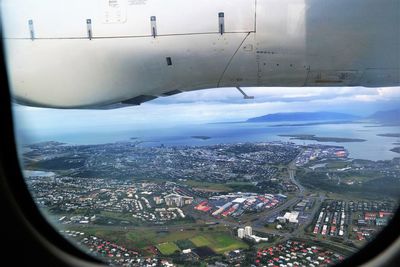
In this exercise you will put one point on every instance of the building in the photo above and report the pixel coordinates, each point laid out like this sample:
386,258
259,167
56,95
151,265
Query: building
281,219
185,251
361,222
177,200
381,221
240,232
257,239
235,256
221,209
248,231
292,216
289,216
158,200
187,200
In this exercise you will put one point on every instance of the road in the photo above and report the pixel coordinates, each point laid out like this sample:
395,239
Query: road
256,220
292,174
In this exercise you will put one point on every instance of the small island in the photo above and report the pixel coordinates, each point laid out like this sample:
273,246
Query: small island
202,137
390,135
312,137
396,149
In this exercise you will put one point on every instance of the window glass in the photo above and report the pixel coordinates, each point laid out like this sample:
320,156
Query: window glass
293,177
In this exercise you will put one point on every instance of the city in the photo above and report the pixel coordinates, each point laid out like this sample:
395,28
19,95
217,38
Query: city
135,205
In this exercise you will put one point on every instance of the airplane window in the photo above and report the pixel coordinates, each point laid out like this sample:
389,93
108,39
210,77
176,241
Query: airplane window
208,133
300,177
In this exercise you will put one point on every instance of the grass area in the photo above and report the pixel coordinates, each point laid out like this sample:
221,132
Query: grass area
220,239
219,242
335,164
243,186
146,237
126,218
167,248
208,186
357,197
271,226
118,216
200,241
237,183
353,183
354,179
143,238
185,244
120,237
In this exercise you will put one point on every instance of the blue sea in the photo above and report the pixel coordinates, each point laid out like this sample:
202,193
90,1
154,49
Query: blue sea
375,148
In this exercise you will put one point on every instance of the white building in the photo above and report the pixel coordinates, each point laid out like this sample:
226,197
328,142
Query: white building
158,200
240,232
292,216
281,219
177,200
289,216
248,231
258,238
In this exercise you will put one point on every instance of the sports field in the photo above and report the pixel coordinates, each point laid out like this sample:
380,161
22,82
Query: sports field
219,239
167,248
219,242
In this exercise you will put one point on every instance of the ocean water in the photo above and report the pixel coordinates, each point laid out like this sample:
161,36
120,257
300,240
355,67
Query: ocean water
375,148
29,173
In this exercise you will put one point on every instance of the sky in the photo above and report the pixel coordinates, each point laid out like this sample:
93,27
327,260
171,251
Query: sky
211,105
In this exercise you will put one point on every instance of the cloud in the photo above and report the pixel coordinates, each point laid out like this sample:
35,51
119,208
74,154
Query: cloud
213,105
276,94
389,92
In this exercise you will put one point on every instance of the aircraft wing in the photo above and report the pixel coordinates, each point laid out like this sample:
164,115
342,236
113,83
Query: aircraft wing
83,54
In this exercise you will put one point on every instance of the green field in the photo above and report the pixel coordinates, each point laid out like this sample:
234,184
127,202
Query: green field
219,242
167,248
220,239
185,244
208,186
118,216
336,164
147,237
200,241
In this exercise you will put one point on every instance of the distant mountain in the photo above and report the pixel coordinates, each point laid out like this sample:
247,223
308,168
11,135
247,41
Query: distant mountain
304,116
387,116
